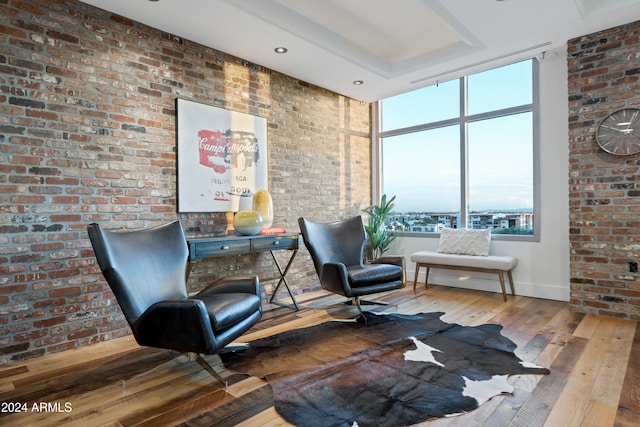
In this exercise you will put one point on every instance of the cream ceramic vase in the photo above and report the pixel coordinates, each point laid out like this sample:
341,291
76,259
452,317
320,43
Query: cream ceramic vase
263,203
248,222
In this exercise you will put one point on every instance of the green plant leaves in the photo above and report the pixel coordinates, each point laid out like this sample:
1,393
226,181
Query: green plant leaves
379,237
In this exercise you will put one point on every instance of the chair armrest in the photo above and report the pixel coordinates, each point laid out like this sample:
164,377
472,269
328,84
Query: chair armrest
246,284
181,325
334,278
396,260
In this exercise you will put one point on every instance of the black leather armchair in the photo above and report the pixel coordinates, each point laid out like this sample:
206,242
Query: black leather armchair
146,270
337,251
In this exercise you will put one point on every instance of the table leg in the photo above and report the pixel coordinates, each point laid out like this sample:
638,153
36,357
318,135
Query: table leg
282,280
188,271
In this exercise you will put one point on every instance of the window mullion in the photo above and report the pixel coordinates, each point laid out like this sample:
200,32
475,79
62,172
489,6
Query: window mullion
377,172
464,155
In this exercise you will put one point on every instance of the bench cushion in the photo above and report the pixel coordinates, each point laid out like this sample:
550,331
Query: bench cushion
494,262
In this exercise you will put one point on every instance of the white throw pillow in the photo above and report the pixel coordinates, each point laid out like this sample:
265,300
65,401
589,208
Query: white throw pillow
465,241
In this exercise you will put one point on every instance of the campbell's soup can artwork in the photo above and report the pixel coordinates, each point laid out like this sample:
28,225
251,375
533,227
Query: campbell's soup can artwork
213,150
221,151
221,158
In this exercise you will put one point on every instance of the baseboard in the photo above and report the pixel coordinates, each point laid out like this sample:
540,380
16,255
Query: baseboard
490,283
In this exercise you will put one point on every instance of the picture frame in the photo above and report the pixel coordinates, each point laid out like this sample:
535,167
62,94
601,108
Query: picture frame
221,157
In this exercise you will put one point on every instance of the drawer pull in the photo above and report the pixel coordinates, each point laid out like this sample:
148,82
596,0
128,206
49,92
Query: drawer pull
225,248
276,243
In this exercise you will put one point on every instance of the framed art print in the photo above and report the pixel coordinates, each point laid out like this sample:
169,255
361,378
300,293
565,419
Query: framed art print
222,157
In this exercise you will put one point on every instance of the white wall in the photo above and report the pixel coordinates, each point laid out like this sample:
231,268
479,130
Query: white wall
543,267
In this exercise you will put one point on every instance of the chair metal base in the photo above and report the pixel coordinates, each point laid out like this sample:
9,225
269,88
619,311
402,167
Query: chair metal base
229,348
233,347
359,302
196,357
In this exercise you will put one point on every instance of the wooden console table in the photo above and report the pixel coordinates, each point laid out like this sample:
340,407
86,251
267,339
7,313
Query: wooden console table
205,247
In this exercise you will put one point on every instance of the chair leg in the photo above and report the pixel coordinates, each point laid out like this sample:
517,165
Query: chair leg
196,357
369,302
356,301
234,347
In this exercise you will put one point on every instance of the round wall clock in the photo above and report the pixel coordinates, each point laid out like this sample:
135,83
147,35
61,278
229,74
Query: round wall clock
619,132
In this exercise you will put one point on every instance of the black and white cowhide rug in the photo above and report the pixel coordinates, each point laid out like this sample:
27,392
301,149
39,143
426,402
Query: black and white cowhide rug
394,370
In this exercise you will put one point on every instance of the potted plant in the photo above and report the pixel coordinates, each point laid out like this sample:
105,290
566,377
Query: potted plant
379,237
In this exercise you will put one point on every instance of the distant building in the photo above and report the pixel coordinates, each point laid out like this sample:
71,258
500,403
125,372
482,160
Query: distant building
433,222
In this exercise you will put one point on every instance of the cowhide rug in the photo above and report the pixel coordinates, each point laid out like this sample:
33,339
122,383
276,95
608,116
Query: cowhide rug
395,370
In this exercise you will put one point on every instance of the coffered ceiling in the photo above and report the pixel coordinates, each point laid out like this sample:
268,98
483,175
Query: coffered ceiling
391,46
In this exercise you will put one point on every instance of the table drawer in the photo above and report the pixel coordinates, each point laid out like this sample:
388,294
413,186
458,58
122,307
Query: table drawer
206,249
275,242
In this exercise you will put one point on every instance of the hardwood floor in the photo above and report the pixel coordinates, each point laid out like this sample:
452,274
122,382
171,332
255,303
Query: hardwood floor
594,363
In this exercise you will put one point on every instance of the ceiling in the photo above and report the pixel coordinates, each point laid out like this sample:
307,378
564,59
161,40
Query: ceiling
391,46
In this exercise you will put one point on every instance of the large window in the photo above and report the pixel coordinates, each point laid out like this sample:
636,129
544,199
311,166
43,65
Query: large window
461,154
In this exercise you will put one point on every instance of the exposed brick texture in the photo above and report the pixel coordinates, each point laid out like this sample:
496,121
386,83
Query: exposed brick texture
87,134
603,194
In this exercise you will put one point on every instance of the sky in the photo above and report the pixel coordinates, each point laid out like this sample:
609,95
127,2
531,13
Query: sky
423,168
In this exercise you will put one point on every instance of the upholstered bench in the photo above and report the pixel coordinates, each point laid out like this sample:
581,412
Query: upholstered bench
466,250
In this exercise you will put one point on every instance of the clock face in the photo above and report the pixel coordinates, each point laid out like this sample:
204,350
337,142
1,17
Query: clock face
619,132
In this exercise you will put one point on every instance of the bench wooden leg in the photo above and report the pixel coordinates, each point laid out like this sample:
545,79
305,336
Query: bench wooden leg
504,292
513,291
426,278
419,265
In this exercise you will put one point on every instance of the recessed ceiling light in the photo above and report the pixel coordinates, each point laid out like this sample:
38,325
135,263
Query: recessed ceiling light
280,49
358,82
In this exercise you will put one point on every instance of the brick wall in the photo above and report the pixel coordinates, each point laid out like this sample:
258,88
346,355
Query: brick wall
87,134
604,193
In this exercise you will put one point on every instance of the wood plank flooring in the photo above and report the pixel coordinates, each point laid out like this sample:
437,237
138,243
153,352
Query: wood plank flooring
594,363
